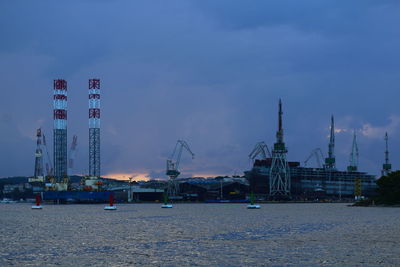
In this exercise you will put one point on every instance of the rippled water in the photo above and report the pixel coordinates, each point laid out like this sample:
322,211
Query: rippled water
199,235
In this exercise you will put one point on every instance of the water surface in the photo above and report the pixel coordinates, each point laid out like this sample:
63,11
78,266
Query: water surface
199,235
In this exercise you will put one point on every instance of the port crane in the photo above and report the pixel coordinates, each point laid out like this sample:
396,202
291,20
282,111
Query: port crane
173,165
353,166
318,155
260,148
49,164
72,154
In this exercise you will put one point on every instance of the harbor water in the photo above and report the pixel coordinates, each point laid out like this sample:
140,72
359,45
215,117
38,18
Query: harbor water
318,234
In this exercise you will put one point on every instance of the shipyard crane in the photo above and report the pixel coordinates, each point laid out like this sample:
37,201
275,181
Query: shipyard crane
318,155
387,167
49,164
72,154
353,162
260,148
173,165
330,161
38,176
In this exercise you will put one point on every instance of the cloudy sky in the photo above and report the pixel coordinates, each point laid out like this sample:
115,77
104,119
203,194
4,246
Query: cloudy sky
209,72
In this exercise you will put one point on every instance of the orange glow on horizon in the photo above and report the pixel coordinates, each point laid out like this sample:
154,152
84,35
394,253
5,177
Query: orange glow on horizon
125,176
143,176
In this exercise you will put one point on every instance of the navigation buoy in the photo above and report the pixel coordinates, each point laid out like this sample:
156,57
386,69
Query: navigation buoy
166,205
252,205
37,206
111,206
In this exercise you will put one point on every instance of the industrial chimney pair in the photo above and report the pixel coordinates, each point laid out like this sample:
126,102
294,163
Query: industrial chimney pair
60,129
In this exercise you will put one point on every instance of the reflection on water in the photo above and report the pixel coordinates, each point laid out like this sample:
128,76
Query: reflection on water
199,234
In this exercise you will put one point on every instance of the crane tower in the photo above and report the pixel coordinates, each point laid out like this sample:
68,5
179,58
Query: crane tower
353,166
279,177
173,165
38,175
330,161
387,167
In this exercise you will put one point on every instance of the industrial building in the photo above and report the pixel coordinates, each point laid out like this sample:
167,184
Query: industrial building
312,183
273,177
214,189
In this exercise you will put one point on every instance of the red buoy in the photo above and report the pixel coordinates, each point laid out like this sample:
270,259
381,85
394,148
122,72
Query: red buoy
37,199
37,206
111,207
111,200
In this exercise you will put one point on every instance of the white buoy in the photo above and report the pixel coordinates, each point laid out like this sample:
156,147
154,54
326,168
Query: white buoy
37,206
111,206
253,206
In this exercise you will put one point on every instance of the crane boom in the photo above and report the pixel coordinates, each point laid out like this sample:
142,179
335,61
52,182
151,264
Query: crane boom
260,148
72,153
319,156
353,165
172,167
49,164
177,153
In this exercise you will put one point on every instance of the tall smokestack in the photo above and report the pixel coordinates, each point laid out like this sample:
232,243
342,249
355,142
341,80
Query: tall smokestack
60,129
94,127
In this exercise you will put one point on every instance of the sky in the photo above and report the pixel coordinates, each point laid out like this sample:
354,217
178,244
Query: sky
210,72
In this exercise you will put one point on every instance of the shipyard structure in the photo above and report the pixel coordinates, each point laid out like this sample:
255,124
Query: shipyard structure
273,177
56,185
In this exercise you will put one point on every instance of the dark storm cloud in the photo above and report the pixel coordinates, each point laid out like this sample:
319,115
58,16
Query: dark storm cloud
210,72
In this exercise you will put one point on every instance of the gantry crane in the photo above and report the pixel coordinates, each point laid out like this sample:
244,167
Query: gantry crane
260,148
172,167
319,156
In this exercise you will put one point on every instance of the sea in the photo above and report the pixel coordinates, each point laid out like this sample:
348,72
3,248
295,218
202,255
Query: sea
287,234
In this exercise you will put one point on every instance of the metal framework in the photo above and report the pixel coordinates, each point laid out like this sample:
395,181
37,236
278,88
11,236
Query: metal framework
260,148
172,167
353,166
49,165
318,155
330,161
72,154
387,167
39,156
279,178
94,127
60,129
